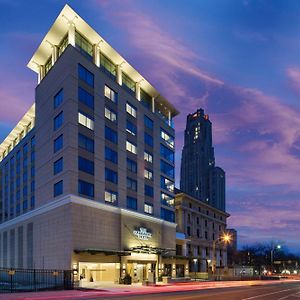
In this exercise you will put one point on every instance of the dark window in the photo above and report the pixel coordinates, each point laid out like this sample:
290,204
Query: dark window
131,128
85,165
85,75
131,184
58,143
166,153
111,135
111,155
131,203
58,98
111,176
188,230
58,166
167,215
148,139
58,120
85,97
85,188
148,122
149,190
85,143
58,188
131,165
32,142
167,169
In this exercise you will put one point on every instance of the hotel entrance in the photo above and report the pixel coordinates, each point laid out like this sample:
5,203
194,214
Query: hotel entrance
141,271
93,274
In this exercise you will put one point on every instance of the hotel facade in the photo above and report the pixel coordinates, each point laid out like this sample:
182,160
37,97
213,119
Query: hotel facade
87,175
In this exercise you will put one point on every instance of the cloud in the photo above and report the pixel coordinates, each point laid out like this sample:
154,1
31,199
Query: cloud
293,74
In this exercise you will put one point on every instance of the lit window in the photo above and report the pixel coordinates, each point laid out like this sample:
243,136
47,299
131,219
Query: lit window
110,196
166,184
85,121
148,208
148,174
131,109
148,157
167,199
167,138
110,94
131,147
110,115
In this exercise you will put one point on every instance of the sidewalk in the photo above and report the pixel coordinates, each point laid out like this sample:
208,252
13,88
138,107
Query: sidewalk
121,290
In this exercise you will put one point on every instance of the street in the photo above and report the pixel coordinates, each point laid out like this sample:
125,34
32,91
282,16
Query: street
280,291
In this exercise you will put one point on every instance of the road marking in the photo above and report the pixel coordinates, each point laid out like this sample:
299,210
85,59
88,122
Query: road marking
297,295
269,294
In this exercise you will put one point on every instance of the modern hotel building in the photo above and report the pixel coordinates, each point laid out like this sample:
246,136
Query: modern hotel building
87,175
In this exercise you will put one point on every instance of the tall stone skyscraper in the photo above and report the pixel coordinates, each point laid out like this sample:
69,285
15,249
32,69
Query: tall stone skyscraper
199,176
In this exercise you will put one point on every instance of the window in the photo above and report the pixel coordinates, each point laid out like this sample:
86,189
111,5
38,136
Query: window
167,153
85,75
167,215
131,184
110,196
148,139
58,143
148,174
167,199
131,203
107,66
58,166
188,230
85,97
148,157
149,190
131,128
111,155
58,188
110,94
131,165
84,46
166,184
85,188
167,138
58,120
111,176
85,143
85,165
128,83
86,121
148,208
131,109
110,115
148,122
131,147
167,169
58,98
111,135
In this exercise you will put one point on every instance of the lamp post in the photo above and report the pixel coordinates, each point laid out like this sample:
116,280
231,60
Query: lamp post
195,262
226,239
272,255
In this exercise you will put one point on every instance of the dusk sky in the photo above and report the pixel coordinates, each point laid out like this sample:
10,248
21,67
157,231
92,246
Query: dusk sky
239,60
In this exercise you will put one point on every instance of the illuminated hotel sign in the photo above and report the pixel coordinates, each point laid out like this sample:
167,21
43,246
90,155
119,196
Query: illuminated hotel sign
142,233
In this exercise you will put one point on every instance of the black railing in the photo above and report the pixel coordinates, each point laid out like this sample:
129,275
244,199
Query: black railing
28,280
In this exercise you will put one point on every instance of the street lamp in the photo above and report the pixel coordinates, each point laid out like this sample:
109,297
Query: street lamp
226,239
277,247
195,262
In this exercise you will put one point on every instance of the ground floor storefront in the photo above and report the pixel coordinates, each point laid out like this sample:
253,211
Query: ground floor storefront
126,268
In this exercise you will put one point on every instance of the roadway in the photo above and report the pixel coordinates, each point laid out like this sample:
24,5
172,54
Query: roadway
280,291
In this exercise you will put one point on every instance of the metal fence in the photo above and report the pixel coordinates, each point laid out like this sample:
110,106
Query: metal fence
28,280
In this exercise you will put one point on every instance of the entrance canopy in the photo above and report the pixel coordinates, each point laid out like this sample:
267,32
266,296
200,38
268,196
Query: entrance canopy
151,250
102,251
